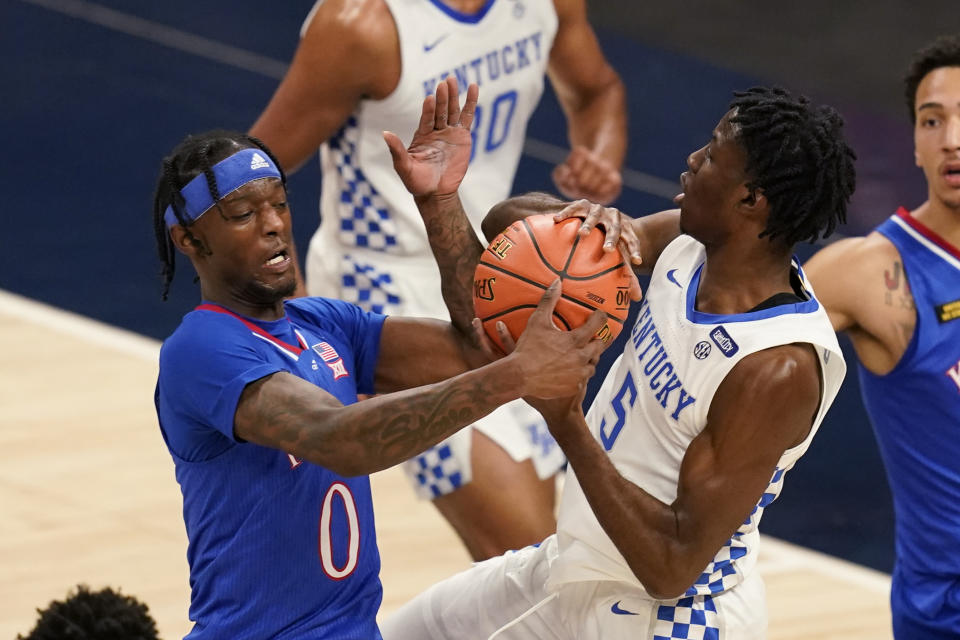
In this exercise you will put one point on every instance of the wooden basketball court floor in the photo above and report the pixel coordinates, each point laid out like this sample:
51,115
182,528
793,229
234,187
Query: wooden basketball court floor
88,495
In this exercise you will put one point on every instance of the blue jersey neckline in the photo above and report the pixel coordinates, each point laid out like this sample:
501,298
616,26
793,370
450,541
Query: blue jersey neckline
468,18
700,317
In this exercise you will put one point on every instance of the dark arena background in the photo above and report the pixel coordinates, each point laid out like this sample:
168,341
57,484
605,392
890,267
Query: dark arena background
95,94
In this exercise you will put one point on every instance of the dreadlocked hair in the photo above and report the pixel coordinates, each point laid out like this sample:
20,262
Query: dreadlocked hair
94,615
797,156
196,154
942,52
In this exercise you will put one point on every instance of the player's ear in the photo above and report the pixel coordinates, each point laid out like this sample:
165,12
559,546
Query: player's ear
754,199
186,242
753,206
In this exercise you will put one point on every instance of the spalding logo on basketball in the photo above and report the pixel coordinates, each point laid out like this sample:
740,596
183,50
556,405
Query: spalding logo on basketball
518,266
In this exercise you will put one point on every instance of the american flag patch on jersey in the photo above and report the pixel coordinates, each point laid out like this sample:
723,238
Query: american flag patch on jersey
326,352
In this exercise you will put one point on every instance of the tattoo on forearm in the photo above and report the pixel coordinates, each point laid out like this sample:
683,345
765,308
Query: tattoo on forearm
379,432
415,425
392,429
457,251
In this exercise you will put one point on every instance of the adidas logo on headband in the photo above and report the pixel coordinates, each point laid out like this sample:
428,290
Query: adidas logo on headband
258,162
230,174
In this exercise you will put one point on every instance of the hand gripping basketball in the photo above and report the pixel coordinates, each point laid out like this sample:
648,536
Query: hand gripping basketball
522,261
555,363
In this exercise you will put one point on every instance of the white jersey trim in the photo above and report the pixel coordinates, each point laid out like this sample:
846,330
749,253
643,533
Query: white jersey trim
916,235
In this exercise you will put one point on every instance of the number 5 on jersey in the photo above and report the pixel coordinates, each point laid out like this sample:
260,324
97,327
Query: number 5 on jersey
620,409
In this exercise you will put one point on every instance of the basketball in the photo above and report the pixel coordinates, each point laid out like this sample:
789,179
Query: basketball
522,261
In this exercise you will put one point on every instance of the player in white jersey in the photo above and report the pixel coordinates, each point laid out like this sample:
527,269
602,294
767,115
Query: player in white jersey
724,380
365,66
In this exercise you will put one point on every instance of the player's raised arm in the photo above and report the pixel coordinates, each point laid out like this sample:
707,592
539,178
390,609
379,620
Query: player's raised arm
431,169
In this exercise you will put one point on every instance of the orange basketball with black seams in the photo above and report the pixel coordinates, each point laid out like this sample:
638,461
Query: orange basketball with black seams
520,263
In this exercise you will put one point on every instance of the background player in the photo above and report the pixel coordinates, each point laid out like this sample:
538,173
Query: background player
256,397
364,66
94,615
724,380
896,293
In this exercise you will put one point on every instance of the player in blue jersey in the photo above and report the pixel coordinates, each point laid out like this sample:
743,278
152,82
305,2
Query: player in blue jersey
896,293
722,384
363,66
256,396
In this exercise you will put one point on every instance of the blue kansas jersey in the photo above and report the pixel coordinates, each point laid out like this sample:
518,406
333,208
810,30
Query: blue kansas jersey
279,547
915,411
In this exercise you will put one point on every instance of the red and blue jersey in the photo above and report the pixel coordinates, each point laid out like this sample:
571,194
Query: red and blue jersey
278,547
915,411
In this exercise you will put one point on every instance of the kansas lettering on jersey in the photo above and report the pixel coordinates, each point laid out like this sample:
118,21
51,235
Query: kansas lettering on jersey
371,248
654,402
915,412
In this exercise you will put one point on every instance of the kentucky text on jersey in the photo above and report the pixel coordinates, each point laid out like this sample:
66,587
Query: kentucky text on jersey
489,66
656,365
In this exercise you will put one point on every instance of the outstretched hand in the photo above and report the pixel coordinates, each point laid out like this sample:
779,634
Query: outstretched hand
437,158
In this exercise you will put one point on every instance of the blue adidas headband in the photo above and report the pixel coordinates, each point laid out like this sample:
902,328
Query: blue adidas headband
239,169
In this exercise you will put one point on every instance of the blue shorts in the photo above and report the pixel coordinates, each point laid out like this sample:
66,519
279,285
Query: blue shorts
925,608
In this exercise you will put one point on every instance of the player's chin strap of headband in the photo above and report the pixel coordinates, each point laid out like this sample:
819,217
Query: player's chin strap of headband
232,173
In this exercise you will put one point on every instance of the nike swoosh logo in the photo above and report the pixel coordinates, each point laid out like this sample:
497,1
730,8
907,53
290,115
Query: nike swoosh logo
672,278
429,46
621,612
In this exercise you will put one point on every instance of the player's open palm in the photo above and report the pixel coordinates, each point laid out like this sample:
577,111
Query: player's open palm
437,158
556,363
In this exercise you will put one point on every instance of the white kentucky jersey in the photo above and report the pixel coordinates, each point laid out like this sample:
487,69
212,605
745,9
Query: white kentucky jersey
371,247
654,402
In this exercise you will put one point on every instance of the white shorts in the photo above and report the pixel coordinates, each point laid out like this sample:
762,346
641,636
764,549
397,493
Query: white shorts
407,285
505,598
410,286
515,427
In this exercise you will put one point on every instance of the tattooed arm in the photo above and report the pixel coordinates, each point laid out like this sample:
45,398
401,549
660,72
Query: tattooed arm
290,414
456,250
431,169
862,284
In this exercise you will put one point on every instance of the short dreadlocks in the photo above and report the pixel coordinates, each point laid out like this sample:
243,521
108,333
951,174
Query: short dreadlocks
797,156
